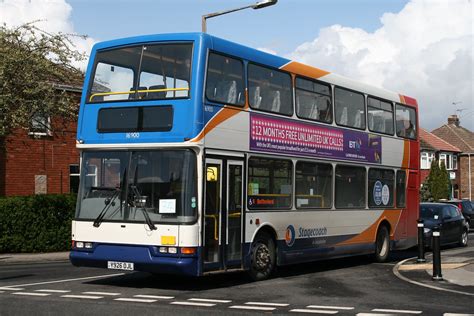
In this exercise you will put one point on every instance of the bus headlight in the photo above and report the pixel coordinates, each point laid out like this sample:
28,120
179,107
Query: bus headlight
79,244
172,250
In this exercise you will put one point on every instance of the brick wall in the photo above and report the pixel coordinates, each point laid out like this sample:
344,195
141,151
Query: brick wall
26,156
464,176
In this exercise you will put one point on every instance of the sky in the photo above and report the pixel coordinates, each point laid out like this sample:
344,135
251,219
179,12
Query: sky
420,48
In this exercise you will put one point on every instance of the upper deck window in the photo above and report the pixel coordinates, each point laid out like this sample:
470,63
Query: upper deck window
350,108
313,100
225,80
145,72
406,121
269,90
380,116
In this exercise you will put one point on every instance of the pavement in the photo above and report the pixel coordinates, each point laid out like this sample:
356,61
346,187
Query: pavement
457,268
26,258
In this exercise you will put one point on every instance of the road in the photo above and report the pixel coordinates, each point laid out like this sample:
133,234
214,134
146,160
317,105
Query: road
350,286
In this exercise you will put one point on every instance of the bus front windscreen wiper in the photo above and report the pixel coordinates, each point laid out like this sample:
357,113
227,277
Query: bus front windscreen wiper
108,203
139,202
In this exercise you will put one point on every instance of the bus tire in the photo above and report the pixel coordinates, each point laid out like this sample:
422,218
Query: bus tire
262,260
382,244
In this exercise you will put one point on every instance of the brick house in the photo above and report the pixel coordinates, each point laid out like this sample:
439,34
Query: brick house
434,148
43,159
463,139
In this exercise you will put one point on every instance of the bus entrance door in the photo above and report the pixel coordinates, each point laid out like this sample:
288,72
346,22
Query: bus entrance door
223,214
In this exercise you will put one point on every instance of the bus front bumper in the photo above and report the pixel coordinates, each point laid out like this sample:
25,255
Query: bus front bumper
144,258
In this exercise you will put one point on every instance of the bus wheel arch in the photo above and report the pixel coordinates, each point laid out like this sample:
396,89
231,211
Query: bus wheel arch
263,250
382,242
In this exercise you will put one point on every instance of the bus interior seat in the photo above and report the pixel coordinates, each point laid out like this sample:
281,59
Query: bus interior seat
256,99
379,123
276,103
343,118
226,91
358,120
157,94
370,120
314,114
141,95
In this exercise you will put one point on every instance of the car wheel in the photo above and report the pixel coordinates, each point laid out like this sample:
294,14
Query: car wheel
262,261
382,244
463,238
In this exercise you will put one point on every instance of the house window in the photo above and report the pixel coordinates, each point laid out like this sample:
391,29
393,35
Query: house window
40,125
455,162
73,178
426,160
448,160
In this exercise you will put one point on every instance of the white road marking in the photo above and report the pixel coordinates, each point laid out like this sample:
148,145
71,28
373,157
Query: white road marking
330,307
124,299
11,289
159,297
374,314
70,280
53,291
266,304
90,297
395,311
193,304
208,300
258,308
101,293
31,294
313,311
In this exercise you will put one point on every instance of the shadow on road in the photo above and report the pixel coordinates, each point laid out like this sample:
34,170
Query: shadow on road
232,279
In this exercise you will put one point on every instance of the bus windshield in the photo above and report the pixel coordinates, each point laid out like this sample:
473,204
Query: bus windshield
128,186
142,72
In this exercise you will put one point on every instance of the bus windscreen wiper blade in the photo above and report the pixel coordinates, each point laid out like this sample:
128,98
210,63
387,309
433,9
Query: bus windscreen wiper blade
138,199
108,203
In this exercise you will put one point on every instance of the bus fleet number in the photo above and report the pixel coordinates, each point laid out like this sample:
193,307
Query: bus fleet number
132,135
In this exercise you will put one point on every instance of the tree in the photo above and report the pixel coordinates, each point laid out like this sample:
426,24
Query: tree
436,185
33,66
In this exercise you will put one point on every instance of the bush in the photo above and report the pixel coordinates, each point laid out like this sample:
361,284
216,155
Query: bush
37,223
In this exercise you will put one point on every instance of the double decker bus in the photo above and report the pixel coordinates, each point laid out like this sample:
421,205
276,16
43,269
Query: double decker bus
201,155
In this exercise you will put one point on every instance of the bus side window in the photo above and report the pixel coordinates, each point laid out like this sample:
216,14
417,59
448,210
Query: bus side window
406,121
269,90
350,108
225,80
401,179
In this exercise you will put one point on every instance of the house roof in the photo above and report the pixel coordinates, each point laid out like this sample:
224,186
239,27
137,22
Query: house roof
457,135
431,141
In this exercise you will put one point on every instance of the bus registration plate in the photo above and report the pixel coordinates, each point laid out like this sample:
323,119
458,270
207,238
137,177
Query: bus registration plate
120,265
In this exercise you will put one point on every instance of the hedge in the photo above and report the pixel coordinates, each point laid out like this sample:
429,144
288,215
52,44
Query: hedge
37,223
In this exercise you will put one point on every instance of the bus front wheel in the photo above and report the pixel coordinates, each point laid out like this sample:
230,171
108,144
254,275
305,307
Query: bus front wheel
262,261
382,244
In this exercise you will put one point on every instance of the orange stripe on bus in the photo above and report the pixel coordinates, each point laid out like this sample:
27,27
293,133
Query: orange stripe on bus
223,115
406,153
368,235
305,70
402,99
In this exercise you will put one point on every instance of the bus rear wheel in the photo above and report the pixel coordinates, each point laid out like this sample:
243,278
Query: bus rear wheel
262,261
382,244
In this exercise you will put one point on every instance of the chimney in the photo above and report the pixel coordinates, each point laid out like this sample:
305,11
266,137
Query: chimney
453,119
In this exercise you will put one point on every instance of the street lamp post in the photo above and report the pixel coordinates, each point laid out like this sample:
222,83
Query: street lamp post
258,5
